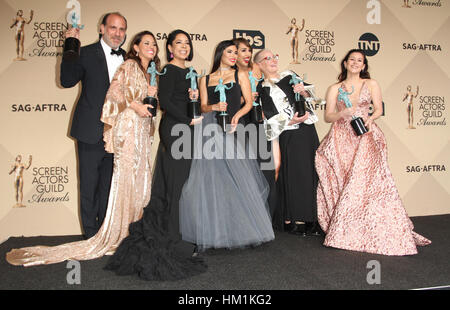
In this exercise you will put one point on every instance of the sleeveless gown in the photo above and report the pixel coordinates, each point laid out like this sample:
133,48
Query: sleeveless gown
359,207
224,201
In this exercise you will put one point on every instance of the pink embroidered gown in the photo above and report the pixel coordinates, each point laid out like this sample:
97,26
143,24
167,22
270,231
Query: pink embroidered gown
129,137
358,205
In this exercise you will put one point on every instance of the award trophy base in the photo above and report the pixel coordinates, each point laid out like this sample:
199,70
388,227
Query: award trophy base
358,126
71,50
194,109
153,102
223,120
299,106
256,114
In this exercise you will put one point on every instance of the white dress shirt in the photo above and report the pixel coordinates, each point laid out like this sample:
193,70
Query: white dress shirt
113,61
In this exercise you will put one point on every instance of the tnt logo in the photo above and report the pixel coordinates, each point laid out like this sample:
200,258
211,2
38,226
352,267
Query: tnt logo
254,37
369,43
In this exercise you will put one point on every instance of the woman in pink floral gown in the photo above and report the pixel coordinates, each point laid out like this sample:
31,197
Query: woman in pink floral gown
359,207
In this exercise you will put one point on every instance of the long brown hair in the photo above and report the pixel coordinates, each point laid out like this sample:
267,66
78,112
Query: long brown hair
246,43
364,74
133,55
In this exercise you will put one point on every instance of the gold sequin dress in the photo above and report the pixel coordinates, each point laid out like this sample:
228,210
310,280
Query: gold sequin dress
129,137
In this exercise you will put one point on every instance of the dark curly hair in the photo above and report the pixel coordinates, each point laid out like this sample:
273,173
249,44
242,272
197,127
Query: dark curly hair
133,55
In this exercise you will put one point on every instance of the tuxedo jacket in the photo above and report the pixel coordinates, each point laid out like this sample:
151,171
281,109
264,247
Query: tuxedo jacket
91,69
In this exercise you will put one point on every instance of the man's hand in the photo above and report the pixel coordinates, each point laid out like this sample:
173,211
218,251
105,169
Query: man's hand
73,33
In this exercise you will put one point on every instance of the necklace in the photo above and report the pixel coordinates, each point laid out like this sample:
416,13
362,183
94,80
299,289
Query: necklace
225,68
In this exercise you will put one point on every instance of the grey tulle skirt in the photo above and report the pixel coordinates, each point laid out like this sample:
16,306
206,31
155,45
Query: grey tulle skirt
223,203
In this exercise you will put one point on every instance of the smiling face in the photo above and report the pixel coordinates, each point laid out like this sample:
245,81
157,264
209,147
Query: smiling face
355,63
147,48
268,63
229,56
244,55
180,47
113,32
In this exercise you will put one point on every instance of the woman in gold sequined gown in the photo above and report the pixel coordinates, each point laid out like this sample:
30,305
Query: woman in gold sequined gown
128,134
359,207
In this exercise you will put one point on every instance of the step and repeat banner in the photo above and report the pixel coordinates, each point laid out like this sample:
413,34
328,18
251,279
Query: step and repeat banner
407,42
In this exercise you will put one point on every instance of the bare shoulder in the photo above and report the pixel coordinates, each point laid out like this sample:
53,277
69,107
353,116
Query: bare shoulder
372,83
373,86
256,70
242,75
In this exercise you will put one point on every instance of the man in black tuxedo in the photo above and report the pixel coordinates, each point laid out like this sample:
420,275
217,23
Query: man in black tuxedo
95,68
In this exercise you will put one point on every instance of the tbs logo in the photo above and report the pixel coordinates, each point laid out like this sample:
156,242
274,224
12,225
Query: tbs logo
254,37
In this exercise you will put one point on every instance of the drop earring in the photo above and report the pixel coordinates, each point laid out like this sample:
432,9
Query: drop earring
171,55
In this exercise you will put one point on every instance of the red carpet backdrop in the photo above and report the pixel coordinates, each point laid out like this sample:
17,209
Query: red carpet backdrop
408,44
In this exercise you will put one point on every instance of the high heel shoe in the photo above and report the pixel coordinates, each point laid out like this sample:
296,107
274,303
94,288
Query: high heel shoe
313,229
298,229
196,252
288,226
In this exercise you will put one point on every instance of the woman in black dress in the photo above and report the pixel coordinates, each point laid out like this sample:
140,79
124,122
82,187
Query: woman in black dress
298,141
154,248
224,201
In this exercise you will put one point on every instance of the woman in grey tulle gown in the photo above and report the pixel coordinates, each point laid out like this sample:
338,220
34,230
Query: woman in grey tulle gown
224,201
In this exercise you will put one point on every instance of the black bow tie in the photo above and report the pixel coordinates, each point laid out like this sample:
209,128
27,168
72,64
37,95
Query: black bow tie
114,52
